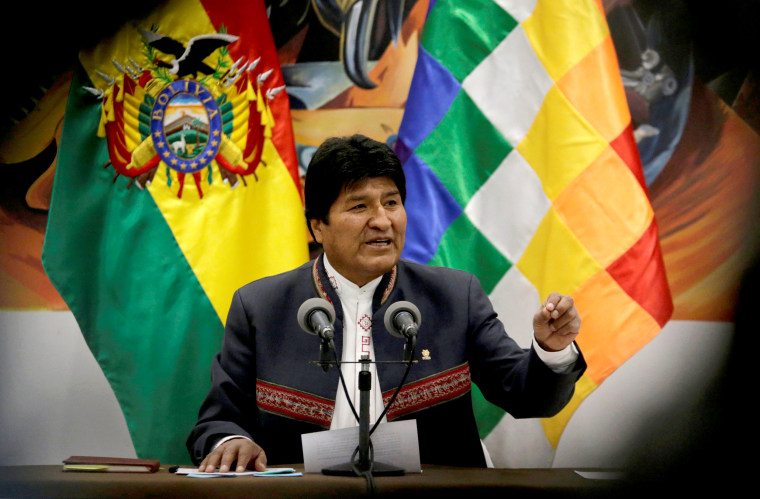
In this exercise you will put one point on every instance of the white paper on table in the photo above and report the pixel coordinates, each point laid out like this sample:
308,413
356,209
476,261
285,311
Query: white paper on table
394,443
215,474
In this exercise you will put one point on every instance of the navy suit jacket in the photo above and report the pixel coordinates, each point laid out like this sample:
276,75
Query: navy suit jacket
265,383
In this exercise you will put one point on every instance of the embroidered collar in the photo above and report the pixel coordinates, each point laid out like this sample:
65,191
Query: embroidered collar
324,290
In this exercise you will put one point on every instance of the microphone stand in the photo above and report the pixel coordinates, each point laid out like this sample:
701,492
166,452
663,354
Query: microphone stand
324,353
366,462
409,347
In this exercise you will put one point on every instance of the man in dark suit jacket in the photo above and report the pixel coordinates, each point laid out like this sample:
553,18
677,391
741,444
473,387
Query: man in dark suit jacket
265,392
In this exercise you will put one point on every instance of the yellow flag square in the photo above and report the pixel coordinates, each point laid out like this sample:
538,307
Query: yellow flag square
560,143
553,32
555,260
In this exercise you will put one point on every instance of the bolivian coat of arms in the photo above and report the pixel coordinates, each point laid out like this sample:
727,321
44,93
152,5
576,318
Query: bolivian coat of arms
186,107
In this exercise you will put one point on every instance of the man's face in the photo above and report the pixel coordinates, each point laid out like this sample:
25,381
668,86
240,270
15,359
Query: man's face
365,233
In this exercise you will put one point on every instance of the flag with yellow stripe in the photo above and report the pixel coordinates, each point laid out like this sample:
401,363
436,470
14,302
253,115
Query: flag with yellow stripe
176,183
522,169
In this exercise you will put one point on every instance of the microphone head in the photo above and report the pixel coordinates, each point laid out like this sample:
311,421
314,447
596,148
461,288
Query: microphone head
394,310
309,307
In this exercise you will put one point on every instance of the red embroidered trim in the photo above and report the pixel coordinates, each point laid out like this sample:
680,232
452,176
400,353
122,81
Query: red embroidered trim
318,281
389,287
294,403
430,391
323,293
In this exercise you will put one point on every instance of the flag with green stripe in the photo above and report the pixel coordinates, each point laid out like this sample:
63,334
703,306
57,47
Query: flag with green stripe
176,183
522,169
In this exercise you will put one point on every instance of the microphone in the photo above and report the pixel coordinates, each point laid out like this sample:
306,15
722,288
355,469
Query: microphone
316,316
403,319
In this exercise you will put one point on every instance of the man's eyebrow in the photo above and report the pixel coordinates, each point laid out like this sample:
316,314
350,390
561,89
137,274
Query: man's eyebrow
361,197
355,197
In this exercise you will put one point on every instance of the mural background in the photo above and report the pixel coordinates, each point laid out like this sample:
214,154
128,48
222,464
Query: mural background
701,165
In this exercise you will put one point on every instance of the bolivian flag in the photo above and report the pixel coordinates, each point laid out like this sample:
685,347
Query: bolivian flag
176,183
522,169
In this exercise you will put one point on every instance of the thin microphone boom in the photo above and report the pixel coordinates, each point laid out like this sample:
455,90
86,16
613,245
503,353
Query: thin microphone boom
316,316
402,320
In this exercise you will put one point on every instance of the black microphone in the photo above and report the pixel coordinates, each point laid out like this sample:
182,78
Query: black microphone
402,320
316,316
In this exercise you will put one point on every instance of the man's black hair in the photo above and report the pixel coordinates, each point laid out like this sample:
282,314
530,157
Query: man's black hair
341,162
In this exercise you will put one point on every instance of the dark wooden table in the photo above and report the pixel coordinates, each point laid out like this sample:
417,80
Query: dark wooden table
438,481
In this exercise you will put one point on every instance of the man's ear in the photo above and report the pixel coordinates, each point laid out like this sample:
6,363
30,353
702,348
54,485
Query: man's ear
315,225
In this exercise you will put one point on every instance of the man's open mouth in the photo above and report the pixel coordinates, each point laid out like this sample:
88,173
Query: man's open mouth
379,242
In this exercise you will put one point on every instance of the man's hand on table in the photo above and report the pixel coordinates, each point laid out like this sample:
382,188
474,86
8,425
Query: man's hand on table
240,450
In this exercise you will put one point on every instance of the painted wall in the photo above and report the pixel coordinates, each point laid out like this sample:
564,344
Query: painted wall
701,168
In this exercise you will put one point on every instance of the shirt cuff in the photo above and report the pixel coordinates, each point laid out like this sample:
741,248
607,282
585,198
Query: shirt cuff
560,362
230,437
